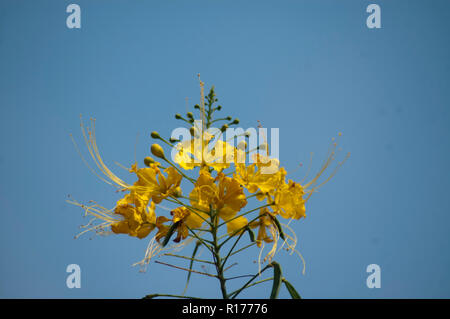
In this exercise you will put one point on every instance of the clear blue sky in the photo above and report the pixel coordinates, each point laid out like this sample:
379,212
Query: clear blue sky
310,68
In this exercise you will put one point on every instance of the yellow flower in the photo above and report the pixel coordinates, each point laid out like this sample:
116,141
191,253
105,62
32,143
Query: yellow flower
230,197
287,198
204,152
137,222
265,223
186,220
152,183
289,202
268,232
253,179
227,198
204,191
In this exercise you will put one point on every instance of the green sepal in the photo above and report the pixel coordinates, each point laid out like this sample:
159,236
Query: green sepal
170,233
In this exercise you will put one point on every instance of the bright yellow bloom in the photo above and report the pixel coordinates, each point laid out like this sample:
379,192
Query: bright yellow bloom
265,223
137,221
204,152
268,232
253,178
227,198
230,197
152,183
289,202
214,195
204,191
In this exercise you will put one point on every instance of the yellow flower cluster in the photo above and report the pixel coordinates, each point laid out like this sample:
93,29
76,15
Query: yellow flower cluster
223,187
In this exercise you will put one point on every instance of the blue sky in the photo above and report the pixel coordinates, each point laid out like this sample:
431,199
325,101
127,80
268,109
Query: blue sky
310,68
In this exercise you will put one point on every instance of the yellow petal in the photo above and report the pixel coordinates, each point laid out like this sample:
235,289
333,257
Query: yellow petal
235,224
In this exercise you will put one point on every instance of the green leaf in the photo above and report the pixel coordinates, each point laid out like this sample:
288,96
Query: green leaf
170,233
276,279
294,294
251,234
191,264
280,230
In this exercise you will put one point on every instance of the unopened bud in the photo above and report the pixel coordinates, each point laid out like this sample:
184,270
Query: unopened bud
157,150
224,127
190,115
236,121
177,116
155,134
148,160
177,192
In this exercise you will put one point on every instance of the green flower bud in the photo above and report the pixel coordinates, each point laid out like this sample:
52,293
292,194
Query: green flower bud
224,127
157,150
155,134
148,160
228,118
178,116
236,121
177,192
190,115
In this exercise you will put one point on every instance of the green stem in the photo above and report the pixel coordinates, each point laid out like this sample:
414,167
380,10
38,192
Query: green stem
179,171
232,247
247,284
194,234
189,258
254,284
216,256
242,229
243,248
